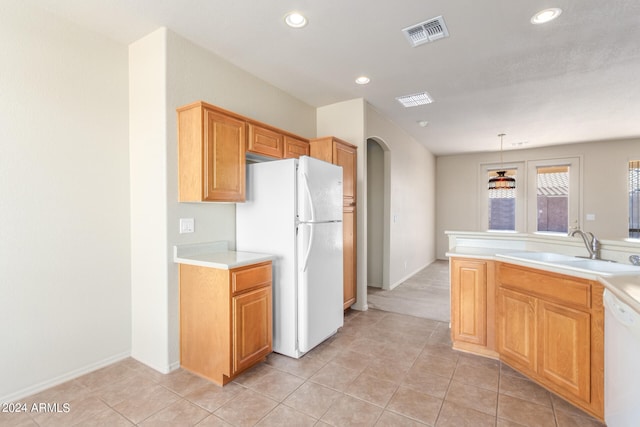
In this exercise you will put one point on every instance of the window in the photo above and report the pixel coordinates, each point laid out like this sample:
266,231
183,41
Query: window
552,198
502,205
553,195
546,198
501,210
634,199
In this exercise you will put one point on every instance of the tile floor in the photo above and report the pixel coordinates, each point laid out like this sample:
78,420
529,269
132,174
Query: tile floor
381,369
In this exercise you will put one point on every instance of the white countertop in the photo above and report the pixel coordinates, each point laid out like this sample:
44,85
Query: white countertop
625,288
216,255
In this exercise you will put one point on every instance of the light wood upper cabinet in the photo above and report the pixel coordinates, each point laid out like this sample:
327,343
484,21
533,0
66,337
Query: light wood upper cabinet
225,319
345,155
551,328
295,147
265,141
211,154
341,153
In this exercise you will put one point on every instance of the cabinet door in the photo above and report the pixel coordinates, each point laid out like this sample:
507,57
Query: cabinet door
224,158
264,141
251,327
516,325
564,348
345,156
349,255
469,301
294,148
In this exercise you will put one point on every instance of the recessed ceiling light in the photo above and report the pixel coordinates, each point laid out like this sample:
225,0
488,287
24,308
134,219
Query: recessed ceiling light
423,123
414,100
295,20
546,15
363,80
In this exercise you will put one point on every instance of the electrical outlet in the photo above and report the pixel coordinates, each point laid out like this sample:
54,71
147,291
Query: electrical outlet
187,225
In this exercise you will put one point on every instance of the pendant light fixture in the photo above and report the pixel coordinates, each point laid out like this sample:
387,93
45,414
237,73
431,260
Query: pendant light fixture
501,182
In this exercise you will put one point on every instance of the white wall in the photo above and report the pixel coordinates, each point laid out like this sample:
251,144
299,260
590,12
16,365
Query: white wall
148,170
65,305
187,73
346,120
604,186
411,241
412,199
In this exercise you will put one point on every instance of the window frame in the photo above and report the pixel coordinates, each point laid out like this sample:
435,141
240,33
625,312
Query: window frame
636,159
483,190
574,214
527,191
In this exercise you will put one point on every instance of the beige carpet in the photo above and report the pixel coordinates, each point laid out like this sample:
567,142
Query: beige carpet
425,294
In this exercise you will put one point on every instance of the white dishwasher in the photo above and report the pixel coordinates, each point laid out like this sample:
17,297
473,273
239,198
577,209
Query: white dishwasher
621,363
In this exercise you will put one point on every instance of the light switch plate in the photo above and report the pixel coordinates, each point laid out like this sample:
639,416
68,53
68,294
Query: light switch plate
187,225
591,217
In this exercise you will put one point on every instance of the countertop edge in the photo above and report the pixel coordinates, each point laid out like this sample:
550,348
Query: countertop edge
225,265
216,255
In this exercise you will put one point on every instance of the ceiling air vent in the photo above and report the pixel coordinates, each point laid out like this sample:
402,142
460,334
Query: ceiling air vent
414,100
426,31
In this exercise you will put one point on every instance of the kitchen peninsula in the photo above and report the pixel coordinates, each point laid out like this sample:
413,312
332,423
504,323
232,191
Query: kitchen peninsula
530,302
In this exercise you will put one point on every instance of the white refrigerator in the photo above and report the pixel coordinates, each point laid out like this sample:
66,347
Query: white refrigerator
293,210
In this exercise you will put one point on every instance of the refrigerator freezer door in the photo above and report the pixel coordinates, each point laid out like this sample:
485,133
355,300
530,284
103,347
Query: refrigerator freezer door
320,311
319,191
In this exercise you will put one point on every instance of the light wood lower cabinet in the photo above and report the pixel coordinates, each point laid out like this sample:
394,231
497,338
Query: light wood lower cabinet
473,305
564,346
225,319
517,329
349,255
550,327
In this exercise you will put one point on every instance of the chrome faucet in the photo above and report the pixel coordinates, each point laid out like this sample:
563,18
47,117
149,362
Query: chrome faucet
590,241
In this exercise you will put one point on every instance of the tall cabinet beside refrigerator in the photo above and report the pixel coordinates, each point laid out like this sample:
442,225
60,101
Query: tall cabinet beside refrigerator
341,153
294,211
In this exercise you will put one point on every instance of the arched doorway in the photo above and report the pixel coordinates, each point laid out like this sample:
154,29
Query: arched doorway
378,216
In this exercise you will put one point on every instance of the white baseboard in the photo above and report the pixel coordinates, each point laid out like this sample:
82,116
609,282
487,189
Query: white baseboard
36,388
405,278
360,306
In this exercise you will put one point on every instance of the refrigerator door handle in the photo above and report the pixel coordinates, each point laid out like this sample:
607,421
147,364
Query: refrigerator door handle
309,246
312,212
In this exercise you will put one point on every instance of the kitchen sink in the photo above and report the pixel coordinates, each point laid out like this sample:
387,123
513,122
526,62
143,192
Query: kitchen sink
601,266
593,266
538,256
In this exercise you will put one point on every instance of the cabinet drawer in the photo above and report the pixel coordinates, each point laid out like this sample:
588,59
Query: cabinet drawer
549,286
254,276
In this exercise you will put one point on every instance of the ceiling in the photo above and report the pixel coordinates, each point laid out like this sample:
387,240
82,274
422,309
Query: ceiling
574,79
